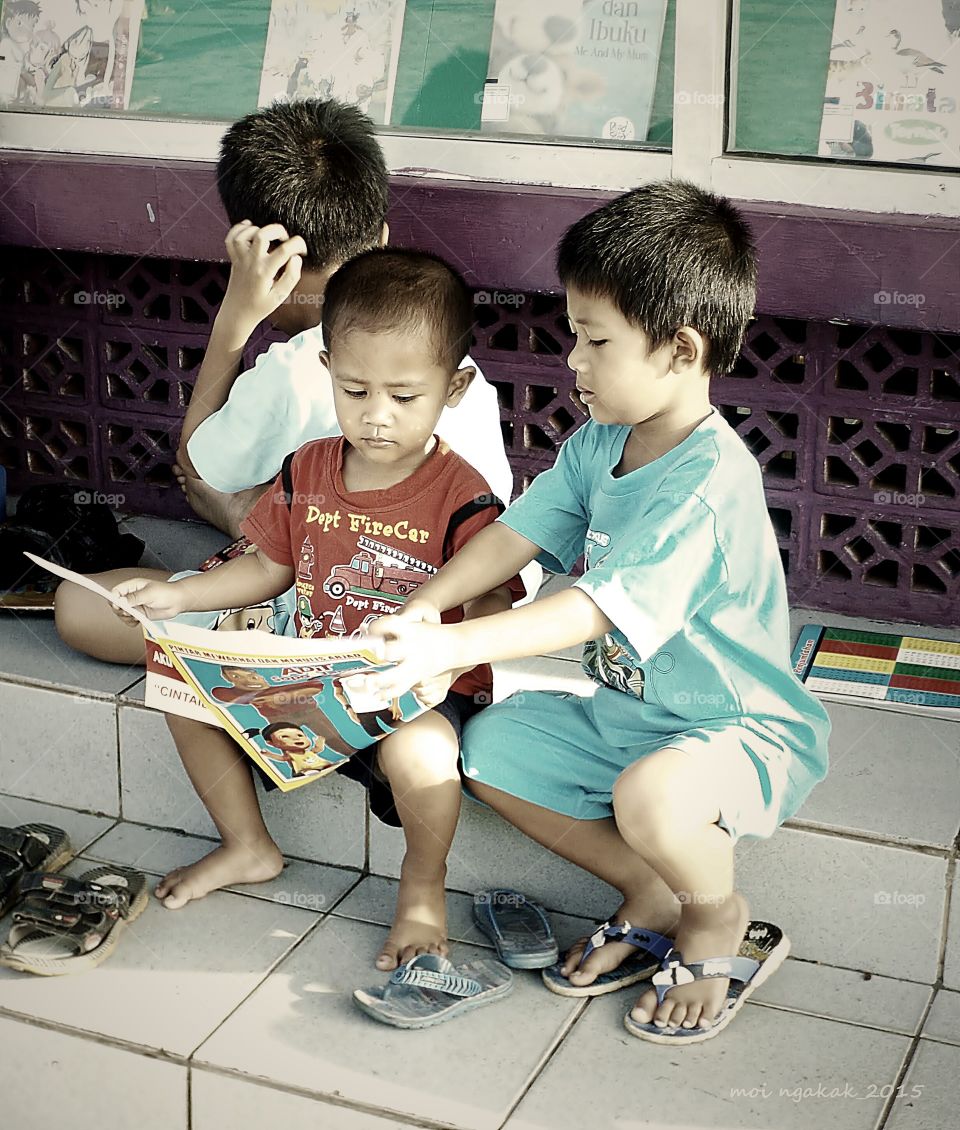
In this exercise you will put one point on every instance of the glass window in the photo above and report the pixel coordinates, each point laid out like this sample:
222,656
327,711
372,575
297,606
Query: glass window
583,71
861,80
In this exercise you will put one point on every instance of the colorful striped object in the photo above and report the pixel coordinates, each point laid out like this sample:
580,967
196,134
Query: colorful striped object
904,671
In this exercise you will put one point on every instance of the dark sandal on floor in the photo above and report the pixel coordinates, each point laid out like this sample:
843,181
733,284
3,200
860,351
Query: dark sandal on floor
651,949
763,950
517,926
63,925
29,847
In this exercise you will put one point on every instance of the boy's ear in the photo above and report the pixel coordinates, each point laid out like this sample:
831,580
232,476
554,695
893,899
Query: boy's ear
325,359
459,383
385,234
689,349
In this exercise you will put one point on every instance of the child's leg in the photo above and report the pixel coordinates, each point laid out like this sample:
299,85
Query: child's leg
221,776
667,810
88,623
420,762
598,847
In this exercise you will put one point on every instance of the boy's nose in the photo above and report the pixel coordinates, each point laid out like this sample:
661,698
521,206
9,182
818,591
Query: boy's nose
575,358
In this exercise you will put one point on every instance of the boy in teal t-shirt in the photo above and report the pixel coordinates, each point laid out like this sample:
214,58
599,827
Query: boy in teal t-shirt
698,732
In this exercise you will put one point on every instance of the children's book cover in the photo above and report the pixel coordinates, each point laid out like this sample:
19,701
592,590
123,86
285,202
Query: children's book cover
344,49
574,68
893,83
295,706
911,674
68,54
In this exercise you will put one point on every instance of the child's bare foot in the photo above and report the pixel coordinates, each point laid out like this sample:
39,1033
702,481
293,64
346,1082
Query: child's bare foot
638,912
706,930
420,920
223,867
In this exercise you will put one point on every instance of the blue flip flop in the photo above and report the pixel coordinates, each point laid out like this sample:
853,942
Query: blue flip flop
651,949
429,989
517,926
763,950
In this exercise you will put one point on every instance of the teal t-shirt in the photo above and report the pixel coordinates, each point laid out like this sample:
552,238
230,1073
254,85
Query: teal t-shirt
681,556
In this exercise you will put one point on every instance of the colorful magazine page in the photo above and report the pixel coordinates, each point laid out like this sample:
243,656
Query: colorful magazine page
911,674
893,84
574,68
296,707
69,54
344,49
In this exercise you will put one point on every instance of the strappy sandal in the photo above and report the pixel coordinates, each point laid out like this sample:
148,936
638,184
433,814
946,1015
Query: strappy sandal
429,989
650,948
29,847
66,925
517,926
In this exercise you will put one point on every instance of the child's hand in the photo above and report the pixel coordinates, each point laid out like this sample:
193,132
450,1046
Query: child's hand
260,279
422,651
432,692
157,600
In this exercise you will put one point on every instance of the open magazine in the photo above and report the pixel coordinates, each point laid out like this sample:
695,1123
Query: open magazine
291,704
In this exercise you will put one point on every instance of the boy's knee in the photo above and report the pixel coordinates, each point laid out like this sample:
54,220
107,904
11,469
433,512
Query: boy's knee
649,795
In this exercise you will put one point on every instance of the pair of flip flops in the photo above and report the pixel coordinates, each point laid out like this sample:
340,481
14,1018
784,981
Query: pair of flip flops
429,989
61,925
763,949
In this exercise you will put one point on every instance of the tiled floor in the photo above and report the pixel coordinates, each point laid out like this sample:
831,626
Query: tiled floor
236,1012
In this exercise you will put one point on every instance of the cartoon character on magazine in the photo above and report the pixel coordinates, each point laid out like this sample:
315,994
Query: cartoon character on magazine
256,618
295,747
292,702
377,722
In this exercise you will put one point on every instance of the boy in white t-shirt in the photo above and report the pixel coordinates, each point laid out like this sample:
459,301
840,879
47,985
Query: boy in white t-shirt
305,187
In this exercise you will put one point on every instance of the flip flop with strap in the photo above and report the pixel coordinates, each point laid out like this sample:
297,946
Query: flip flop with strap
763,950
29,847
429,989
517,926
651,948
64,925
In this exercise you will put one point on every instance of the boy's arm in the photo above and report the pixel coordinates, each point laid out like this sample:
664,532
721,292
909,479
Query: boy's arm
246,580
260,281
424,650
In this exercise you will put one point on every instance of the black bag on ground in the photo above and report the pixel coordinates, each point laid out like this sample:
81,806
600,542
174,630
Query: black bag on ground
65,526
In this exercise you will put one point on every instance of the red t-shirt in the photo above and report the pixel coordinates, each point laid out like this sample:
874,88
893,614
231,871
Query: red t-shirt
358,556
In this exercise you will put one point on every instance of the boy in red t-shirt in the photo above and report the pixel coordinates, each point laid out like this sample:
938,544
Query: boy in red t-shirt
357,523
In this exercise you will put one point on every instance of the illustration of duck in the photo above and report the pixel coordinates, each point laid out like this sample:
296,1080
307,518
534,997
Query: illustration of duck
914,60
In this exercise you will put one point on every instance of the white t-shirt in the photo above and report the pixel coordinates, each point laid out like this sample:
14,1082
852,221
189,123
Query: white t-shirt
286,400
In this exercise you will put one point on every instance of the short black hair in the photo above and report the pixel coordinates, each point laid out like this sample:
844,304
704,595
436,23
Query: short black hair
314,166
21,8
668,254
390,289
268,731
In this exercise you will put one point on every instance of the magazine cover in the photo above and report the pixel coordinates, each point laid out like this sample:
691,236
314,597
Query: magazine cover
907,673
289,703
893,83
333,49
68,54
574,68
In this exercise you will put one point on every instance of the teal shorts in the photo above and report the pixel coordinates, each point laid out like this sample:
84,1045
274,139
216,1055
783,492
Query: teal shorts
543,747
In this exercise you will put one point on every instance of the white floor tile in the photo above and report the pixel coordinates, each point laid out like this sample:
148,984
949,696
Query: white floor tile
51,1079
175,545
943,1023
59,748
81,827
842,994
301,1028
891,775
753,1075
220,1101
951,962
846,903
174,976
929,1096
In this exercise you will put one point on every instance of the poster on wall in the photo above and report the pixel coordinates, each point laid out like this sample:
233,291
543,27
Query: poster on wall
573,68
333,49
893,83
68,54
